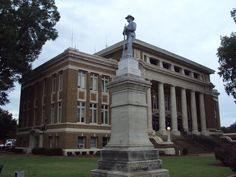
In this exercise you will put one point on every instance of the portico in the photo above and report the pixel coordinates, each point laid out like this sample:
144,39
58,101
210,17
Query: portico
180,108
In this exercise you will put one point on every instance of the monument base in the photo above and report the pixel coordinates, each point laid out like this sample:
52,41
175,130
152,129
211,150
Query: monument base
153,173
130,162
129,152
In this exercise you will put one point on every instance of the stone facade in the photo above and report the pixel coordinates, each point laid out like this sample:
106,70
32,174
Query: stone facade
66,102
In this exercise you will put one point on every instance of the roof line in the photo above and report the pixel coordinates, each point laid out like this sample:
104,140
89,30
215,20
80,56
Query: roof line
119,45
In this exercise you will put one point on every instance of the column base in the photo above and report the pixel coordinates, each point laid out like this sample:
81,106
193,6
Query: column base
195,132
175,132
163,132
205,133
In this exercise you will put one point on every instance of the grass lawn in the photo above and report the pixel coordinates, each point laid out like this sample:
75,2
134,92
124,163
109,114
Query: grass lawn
43,166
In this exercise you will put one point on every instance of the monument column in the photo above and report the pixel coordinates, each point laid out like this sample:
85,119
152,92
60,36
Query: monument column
129,153
194,113
203,114
174,121
184,109
149,111
161,108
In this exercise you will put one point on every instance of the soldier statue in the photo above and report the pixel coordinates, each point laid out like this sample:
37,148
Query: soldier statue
129,31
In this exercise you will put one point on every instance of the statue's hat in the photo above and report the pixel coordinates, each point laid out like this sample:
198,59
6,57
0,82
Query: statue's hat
129,16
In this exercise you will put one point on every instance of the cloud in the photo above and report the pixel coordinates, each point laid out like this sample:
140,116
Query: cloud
188,28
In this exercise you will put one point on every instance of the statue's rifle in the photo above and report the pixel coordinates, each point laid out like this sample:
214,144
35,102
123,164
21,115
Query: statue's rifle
123,52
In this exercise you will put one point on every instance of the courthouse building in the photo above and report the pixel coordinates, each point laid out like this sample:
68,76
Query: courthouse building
66,101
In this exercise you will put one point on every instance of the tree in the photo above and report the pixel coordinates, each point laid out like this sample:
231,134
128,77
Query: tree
8,125
25,27
227,60
230,129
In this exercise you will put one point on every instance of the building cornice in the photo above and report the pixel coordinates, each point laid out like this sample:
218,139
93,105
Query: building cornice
154,49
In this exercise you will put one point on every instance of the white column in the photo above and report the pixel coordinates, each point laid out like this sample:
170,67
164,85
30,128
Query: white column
203,114
184,110
194,113
174,121
161,107
149,111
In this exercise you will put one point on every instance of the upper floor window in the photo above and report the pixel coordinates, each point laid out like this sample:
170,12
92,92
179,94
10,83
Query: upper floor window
187,72
105,82
54,83
105,114
196,75
93,113
166,65
177,69
94,82
81,83
59,112
52,113
44,87
154,61
81,110
60,81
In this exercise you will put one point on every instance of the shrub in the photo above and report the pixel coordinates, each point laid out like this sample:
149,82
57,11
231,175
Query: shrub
222,153
185,151
39,151
18,151
54,151
1,167
47,151
226,153
232,160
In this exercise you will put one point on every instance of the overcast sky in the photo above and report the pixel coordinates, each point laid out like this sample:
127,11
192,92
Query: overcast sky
189,28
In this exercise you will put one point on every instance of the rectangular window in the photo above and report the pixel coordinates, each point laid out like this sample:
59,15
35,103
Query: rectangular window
94,82
81,83
52,113
93,142
44,86
56,141
54,83
81,142
105,82
81,110
60,81
93,113
44,92
43,114
105,140
50,142
166,65
105,114
59,112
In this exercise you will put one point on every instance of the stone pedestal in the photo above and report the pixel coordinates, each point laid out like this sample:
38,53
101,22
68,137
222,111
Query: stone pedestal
129,152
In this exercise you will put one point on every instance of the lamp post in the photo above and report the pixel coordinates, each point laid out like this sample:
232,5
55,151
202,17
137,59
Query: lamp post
168,134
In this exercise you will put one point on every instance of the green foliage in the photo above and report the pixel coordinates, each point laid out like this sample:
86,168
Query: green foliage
226,153
1,167
230,129
47,151
233,14
185,151
227,60
7,125
25,27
